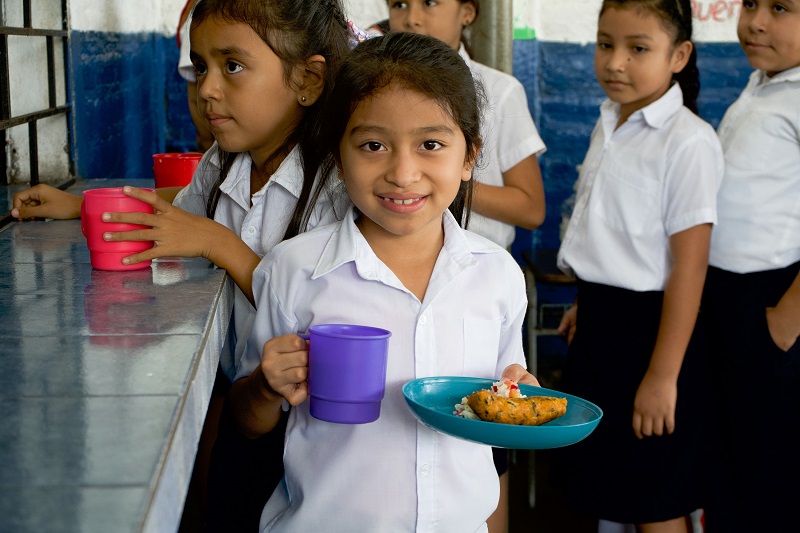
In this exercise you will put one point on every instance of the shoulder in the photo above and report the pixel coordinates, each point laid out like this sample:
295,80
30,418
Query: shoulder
492,257
299,253
692,132
497,84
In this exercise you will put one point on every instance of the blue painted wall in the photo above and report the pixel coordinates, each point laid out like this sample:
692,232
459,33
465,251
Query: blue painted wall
129,103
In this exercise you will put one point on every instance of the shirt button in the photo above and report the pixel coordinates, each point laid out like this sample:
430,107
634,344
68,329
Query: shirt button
425,470
423,320
251,231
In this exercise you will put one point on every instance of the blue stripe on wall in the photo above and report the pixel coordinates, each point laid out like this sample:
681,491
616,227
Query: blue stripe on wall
129,103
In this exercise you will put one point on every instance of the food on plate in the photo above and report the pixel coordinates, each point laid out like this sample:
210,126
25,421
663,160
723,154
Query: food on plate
505,404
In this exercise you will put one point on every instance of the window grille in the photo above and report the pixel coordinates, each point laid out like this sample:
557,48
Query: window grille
23,32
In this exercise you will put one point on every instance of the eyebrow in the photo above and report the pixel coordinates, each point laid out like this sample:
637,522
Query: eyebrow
224,52
374,128
638,36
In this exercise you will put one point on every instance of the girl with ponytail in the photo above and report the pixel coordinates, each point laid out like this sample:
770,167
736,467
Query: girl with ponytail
638,245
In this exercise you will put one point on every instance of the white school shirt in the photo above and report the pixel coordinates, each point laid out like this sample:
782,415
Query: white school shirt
394,474
185,66
261,226
509,136
759,200
654,176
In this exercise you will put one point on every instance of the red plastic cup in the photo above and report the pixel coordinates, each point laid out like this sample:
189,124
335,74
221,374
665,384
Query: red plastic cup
175,169
107,255
347,372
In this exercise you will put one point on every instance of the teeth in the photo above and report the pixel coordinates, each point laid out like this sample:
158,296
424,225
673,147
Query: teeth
400,202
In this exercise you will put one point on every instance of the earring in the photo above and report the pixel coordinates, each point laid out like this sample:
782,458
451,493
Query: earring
303,99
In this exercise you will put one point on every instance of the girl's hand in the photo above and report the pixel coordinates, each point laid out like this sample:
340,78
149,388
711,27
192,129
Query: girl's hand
569,323
781,328
654,406
175,232
44,201
520,375
284,363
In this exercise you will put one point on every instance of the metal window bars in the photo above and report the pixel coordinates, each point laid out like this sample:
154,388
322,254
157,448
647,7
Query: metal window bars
7,118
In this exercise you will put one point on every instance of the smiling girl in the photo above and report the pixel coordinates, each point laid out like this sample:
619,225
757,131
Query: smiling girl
402,123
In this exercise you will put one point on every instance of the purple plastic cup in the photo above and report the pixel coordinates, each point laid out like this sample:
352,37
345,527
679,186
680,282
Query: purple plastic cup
347,372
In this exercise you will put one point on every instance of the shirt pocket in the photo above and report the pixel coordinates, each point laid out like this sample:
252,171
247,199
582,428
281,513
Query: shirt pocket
626,201
481,346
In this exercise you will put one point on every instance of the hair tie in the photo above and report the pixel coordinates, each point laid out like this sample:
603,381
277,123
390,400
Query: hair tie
357,35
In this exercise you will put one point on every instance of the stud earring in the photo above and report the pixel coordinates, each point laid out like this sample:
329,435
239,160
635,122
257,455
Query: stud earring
303,99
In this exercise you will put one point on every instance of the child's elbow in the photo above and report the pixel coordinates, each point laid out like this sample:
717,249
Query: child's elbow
534,218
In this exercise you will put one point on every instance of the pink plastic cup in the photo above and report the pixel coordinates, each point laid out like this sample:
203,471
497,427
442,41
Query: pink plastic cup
175,169
347,372
107,255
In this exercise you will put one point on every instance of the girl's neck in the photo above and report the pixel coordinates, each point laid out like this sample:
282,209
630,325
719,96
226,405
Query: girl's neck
260,173
410,257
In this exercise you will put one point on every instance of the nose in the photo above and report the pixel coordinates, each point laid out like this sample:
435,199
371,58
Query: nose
617,60
403,171
413,17
758,20
208,86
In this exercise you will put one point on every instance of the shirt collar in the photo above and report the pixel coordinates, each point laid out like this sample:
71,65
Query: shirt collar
289,175
793,74
655,114
348,245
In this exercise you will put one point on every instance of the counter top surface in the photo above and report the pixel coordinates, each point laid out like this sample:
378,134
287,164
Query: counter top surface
104,381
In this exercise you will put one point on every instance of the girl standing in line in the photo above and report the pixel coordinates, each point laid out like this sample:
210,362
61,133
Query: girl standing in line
751,304
508,182
403,124
638,244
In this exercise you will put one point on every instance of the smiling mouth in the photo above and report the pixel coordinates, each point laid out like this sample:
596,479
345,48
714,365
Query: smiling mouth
395,201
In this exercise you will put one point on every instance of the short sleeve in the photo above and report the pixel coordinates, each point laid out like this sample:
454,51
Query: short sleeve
518,137
695,173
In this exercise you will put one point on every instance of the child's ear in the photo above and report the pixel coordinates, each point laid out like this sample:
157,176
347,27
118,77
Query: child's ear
310,77
470,162
681,55
468,14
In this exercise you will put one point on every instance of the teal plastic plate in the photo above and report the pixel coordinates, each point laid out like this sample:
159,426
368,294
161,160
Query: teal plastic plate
433,400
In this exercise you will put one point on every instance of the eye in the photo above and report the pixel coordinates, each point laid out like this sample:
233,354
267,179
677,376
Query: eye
748,4
779,8
603,45
639,49
397,5
431,145
232,67
372,146
199,69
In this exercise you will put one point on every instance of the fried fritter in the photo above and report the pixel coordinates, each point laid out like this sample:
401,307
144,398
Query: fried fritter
530,411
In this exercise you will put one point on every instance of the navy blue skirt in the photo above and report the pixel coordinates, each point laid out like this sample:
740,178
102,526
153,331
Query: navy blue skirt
611,474
756,400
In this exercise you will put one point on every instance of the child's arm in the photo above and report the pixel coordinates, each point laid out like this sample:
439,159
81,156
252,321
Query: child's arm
256,400
44,201
180,234
784,319
520,201
654,405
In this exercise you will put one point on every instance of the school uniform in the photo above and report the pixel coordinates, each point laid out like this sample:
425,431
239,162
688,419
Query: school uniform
393,474
754,258
509,136
261,226
654,176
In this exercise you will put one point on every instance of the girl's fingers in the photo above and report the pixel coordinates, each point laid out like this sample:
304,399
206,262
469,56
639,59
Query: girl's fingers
147,255
133,235
146,196
142,219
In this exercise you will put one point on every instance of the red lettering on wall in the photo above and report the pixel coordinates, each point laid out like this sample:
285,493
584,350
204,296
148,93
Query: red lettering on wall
716,10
